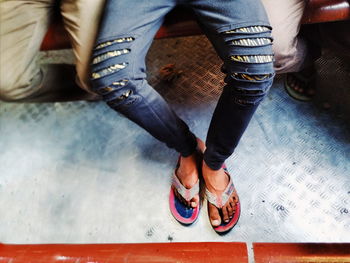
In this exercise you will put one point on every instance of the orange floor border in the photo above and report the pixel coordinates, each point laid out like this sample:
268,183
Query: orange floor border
301,252
197,252
131,253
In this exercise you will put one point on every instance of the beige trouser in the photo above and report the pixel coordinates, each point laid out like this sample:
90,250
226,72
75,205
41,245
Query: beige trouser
22,28
24,24
285,18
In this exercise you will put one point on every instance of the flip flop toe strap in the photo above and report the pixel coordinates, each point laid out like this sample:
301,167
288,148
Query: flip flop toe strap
187,194
220,201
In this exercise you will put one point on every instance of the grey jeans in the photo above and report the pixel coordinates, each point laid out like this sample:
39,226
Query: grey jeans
241,35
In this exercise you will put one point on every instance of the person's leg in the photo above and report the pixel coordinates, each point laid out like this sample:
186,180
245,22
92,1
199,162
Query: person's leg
22,28
22,79
293,53
240,33
289,48
118,75
81,20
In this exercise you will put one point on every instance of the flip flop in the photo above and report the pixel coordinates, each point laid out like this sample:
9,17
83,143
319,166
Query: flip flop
220,201
182,213
306,82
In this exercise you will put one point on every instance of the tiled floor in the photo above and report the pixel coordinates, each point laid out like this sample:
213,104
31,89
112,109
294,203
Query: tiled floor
77,172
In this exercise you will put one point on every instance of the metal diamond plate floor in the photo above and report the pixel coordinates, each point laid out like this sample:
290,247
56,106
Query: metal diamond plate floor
78,172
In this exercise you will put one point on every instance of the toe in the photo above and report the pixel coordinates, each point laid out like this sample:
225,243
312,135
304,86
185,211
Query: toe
225,216
233,206
229,209
214,215
195,201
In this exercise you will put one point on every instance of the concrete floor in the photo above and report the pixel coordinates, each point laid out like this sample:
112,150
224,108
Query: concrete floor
77,172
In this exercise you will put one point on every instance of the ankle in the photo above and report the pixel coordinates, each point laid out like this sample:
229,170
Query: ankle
188,171
214,179
189,158
207,171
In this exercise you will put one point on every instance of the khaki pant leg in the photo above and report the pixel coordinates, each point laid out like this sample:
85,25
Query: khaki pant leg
81,19
285,17
22,28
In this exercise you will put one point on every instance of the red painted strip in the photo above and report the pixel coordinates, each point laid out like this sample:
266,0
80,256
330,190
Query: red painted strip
301,252
218,252
319,11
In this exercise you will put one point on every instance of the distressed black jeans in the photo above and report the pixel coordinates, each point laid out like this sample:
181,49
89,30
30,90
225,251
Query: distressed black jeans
241,35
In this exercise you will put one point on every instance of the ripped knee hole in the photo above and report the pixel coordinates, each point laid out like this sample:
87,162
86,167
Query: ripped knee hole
109,55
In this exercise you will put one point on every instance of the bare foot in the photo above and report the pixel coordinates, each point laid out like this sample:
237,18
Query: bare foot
216,182
188,173
188,176
299,84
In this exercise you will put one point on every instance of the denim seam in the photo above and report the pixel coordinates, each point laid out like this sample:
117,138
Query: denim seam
133,72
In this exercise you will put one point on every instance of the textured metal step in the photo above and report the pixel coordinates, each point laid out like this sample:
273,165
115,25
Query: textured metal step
79,172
